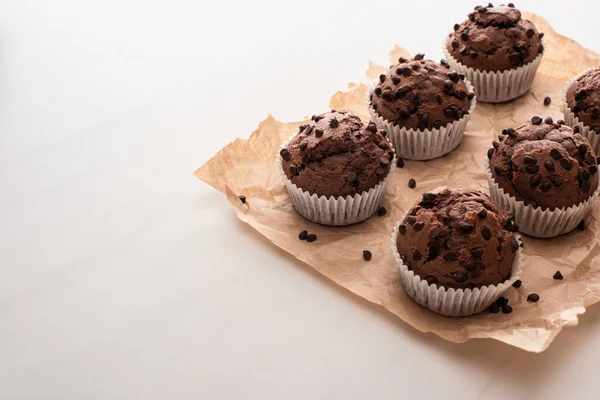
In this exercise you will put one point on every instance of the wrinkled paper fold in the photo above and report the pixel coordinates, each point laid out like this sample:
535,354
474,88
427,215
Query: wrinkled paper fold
249,168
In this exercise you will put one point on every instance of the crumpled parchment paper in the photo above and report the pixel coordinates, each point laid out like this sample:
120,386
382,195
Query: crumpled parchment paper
248,167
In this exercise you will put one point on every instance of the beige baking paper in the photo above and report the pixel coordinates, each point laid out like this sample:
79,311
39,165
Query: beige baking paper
248,167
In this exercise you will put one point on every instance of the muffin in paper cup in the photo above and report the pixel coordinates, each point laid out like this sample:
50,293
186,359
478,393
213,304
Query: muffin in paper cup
449,301
572,120
538,222
496,86
428,141
329,209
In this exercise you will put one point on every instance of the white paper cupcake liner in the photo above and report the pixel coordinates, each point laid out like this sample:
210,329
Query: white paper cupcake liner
423,145
496,86
571,119
451,302
335,211
535,221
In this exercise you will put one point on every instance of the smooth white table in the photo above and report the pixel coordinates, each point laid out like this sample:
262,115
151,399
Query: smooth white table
124,277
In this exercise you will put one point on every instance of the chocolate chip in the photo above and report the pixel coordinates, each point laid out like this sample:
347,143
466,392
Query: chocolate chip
411,219
470,265
498,170
404,112
381,212
529,160
419,56
419,226
470,95
517,284
477,252
541,48
242,199
431,280
532,168
303,145
412,183
448,84
456,26
556,181
500,301
387,95
490,152
378,91
303,235
547,101
536,120
566,164
473,54
493,308
533,297
481,10
406,71
530,32
560,122
451,256
333,123
293,170
506,309
382,78
285,154
486,233
593,169
482,214
549,120
402,229
308,130
400,162
558,276
546,186
514,58
351,177
555,153
535,180
581,225
416,256
541,35
402,60
465,227
576,129
395,80
311,238
549,165
367,255
460,277
455,43
582,149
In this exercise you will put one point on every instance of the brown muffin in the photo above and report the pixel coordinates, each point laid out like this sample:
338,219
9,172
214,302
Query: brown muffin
337,155
495,39
544,164
421,94
458,239
583,98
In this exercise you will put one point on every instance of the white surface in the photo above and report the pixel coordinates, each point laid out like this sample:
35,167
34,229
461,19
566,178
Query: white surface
124,277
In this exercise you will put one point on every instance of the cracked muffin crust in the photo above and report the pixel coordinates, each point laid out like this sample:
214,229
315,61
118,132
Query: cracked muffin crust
495,39
458,239
421,94
337,155
583,98
544,164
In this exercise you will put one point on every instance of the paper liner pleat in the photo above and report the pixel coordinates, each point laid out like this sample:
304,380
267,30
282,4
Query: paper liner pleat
451,302
427,144
335,211
496,86
536,221
572,120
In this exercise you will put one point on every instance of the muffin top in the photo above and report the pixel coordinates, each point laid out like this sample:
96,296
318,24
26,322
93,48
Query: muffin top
544,164
458,239
495,39
421,94
337,155
583,98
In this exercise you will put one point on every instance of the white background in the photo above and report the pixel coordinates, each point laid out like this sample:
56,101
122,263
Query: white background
124,277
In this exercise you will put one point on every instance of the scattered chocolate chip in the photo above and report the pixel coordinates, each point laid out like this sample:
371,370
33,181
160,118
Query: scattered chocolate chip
511,5
402,229
402,60
529,160
400,162
419,56
411,219
378,91
555,153
558,276
406,71
303,235
560,122
566,164
493,308
382,78
500,301
532,168
506,309
483,213
593,169
549,165
293,170
308,130
242,199
431,280
517,284
556,181
381,212
456,26
367,255
416,256
530,32
477,252
535,180
582,149
460,277
470,95
395,80
536,120
404,112
490,152
285,154
547,101
514,58
464,36
412,183
541,48
533,298
311,238
333,123
303,146
545,187
486,233
549,120
581,225
576,129
419,226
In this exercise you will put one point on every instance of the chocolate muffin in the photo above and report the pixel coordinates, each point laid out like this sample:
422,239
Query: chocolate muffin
421,94
458,239
544,164
337,155
495,39
583,98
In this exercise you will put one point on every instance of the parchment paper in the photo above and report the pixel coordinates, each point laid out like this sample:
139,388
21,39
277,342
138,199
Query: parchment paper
247,167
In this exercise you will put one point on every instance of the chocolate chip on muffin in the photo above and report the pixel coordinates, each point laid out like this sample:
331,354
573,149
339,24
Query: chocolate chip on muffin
346,158
545,165
495,39
443,241
583,98
421,94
